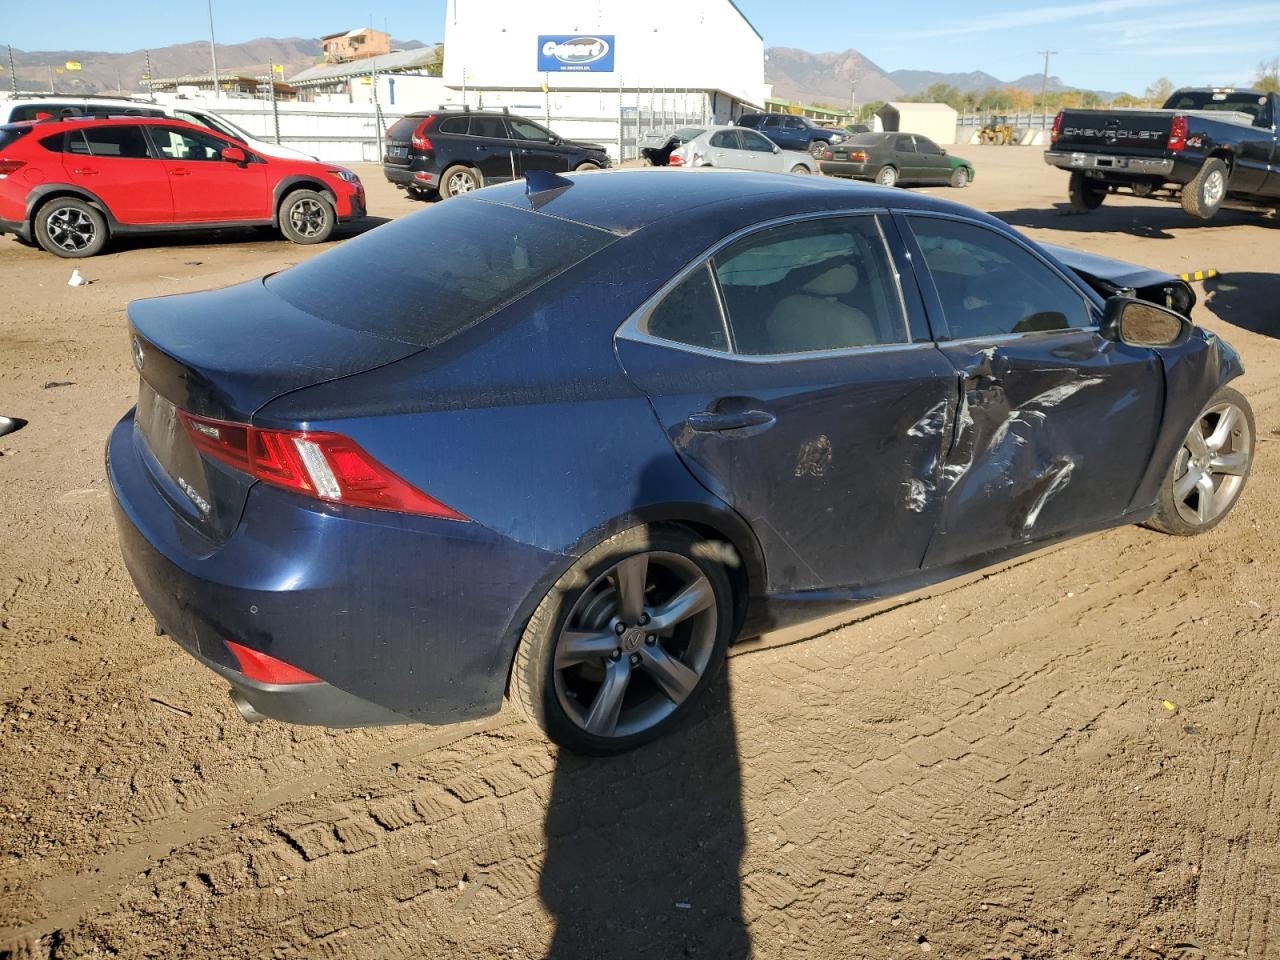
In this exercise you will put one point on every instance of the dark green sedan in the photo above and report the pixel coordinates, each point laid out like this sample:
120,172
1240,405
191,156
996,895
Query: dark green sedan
893,158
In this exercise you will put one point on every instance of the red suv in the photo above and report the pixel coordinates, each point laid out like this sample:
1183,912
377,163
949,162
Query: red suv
72,184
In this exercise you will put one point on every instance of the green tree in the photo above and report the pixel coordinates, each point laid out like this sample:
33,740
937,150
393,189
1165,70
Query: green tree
1268,77
1159,91
1091,99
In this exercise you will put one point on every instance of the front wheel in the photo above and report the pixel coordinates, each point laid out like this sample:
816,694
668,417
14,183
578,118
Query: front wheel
887,177
1211,468
801,168
960,178
307,217
626,641
72,228
1203,196
1085,194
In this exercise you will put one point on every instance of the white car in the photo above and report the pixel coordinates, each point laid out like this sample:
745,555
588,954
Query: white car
32,108
735,148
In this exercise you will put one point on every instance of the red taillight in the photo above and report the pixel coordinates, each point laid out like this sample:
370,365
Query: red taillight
858,156
327,466
1057,128
258,666
827,154
10,166
1178,133
675,160
419,138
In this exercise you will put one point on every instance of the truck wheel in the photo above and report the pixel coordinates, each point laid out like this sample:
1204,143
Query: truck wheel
1085,194
1203,196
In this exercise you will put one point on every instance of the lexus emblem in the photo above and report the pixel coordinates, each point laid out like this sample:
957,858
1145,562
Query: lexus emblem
138,357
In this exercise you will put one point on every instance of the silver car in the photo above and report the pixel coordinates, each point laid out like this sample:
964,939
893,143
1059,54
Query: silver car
738,148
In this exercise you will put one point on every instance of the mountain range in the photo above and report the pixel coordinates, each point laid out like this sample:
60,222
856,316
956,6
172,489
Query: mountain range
828,78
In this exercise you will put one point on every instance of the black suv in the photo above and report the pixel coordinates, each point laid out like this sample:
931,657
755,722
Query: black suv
792,133
448,152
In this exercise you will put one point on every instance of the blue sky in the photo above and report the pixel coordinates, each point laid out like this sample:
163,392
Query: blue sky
1102,44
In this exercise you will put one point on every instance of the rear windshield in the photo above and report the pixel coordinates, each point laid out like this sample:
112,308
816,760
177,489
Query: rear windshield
1250,103
11,135
685,134
427,277
403,128
866,139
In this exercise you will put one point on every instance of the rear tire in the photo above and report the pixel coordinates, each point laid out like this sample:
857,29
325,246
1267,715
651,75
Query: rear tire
960,178
1198,492
1085,194
887,177
586,167
572,653
71,228
817,148
307,217
459,179
1203,196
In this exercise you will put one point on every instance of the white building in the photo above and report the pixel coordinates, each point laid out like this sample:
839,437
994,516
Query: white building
605,70
937,121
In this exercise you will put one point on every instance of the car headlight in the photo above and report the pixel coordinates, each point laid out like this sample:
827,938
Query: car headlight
345,174
837,137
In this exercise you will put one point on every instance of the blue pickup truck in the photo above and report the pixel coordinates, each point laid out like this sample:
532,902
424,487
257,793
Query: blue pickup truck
791,132
1209,148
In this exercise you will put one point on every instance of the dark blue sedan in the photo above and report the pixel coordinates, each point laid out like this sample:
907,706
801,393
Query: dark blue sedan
564,441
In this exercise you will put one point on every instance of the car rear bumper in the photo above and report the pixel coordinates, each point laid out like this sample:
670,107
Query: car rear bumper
845,168
403,618
1076,160
406,176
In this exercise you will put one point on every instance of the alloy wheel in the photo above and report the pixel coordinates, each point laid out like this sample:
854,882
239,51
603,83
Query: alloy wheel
461,183
636,644
70,228
1215,187
1212,464
307,217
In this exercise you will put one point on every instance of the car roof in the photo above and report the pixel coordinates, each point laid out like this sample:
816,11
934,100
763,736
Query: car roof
67,123
624,201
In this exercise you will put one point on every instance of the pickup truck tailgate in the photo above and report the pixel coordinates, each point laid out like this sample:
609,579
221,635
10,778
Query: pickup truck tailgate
1129,130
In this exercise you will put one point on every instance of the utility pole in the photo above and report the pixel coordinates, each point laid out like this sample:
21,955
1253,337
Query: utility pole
151,89
1044,88
213,55
13,76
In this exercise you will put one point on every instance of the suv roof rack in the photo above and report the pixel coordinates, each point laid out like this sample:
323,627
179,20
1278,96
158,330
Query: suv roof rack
85,96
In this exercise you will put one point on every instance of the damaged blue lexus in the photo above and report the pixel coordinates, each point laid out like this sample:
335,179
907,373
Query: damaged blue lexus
560,442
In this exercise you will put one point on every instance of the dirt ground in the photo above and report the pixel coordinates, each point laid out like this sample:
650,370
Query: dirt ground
989,771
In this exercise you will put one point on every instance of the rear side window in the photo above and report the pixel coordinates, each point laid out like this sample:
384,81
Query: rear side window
107,141
491,128
427,277
991,286
726,140
689,314
808,287
905,145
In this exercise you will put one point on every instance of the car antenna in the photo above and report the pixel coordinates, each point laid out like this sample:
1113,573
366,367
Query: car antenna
543,186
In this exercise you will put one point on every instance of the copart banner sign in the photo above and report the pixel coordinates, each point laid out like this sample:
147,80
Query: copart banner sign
567,54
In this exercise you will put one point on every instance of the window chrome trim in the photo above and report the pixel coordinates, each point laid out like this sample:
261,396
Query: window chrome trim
630,328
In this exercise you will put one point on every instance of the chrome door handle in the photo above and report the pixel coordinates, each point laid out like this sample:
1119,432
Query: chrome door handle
707,422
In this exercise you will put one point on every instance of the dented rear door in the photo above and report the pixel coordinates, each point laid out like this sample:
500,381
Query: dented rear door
1056,425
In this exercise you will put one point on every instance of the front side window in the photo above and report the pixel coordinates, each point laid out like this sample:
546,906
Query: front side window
754,141
525,130
813,286
689,314
991,286
107,141
924,145
177,144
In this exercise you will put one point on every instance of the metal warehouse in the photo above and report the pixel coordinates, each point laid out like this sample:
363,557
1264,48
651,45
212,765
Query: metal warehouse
605,70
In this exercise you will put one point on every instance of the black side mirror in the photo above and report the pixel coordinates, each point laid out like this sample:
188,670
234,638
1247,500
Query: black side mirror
1143,324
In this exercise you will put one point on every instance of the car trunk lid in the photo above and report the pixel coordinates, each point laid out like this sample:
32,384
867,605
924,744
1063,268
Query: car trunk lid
222,355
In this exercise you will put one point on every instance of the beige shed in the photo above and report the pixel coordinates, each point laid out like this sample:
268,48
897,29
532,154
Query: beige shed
936,121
